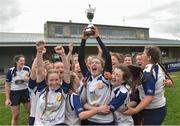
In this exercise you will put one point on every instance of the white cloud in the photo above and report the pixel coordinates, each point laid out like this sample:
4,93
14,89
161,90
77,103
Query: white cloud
161,16
9,11
162,19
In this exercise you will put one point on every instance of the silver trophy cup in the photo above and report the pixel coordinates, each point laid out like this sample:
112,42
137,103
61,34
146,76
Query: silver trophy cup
90,15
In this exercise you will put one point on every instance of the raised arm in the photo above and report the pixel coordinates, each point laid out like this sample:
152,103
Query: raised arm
60,50
69,55
40,47
81,56
32,79
33,70
99,51
106,53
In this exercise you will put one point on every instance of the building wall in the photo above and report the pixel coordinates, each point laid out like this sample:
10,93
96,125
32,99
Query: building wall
7,53
174,52
66,29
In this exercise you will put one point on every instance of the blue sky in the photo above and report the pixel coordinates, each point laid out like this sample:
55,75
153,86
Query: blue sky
29,16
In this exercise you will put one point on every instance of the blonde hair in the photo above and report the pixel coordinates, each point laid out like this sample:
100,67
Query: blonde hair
51,71
100,59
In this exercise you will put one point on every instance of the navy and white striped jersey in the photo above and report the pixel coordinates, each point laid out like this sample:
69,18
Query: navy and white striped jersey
99,93
52,112
82,92
73,108
17,82
98,89
120,97
153,85
33,97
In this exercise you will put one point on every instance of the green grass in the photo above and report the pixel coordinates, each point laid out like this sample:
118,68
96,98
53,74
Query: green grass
172,95
5,113
173,101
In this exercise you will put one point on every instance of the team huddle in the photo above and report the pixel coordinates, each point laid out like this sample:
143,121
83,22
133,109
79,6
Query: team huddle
103,89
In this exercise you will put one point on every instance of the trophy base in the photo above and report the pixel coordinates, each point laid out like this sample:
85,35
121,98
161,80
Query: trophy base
89,31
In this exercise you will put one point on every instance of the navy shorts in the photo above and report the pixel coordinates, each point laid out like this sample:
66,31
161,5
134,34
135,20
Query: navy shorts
152,116
19,96
31,121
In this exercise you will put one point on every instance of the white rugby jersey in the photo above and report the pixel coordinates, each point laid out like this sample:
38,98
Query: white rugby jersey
73,108
17,82
153,86
82,92
55,107
99,93
33,101
33,93
119,99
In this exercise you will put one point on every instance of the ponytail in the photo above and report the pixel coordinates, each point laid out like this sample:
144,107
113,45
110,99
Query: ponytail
14,70
166,73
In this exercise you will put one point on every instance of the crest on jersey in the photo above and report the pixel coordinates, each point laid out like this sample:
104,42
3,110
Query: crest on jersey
58,97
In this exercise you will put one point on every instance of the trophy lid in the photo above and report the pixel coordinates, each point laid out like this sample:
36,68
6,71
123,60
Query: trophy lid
90,12
90,9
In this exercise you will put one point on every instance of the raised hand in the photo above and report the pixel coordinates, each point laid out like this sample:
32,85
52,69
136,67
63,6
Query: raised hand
84,35
59,50
70,46
40,46
96,31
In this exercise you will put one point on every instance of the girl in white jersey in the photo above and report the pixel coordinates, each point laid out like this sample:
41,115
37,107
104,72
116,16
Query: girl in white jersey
120,95
74,109
98,88
34,94
51,103
16,88
152,107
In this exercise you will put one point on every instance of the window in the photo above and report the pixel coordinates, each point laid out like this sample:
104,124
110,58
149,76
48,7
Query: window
59,30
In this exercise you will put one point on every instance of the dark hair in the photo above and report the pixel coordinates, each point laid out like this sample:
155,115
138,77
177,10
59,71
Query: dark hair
72,77
127,55
166,73
154,52
126,74
138,54
137,76
15,59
